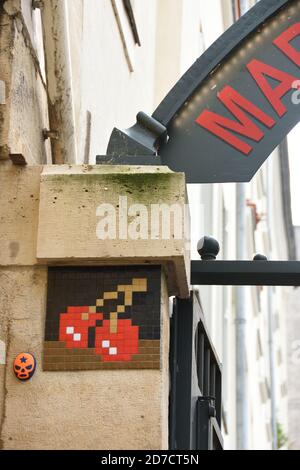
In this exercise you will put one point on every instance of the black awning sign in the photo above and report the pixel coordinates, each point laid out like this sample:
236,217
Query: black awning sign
238,101
240,107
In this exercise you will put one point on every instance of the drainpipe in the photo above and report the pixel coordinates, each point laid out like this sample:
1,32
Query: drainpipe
242,411
271,312
59,80
241,327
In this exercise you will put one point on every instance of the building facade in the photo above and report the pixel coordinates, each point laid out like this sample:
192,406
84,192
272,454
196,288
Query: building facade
293,344
71,71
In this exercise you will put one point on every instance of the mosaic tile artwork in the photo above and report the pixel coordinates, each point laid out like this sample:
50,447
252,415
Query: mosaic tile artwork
103,318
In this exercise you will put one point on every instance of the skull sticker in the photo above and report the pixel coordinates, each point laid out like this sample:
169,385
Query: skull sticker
24,366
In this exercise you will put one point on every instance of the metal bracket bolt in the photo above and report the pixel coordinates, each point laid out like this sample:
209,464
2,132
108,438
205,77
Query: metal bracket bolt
50,134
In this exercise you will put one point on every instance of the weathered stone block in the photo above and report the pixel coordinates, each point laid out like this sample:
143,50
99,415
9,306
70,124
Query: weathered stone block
113,215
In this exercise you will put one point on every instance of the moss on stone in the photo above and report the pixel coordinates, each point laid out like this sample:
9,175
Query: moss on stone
133,184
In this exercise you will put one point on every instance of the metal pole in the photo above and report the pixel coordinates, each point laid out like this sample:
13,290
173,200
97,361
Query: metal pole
271,313
241,318
241,328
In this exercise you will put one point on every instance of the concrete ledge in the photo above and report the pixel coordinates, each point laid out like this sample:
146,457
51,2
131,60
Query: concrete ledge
69,217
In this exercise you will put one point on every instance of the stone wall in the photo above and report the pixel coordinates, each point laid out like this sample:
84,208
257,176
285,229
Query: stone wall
77,409
23,114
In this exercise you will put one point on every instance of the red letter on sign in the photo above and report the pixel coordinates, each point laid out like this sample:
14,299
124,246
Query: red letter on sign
258,71
217,124
283,43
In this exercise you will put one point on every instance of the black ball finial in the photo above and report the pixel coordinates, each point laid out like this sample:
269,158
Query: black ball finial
259,257
208,248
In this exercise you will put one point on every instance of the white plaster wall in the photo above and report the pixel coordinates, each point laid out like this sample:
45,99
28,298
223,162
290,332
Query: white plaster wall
102,82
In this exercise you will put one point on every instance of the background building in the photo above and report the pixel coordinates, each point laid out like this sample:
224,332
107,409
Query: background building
71,70
293,344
